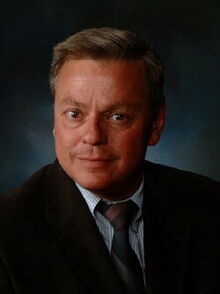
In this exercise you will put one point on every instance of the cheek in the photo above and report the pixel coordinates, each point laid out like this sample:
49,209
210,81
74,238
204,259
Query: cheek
64,138
130,144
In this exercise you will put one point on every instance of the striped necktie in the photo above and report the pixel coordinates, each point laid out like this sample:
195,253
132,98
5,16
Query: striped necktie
123,256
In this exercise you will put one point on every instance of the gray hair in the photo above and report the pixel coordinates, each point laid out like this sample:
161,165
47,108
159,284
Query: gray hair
110,44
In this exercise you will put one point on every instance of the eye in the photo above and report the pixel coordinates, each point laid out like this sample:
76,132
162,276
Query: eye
118,116
72,114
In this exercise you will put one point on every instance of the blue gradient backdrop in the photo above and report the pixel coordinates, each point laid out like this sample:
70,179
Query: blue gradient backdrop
186,36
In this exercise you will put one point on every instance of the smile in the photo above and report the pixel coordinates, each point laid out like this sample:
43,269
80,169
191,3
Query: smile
94,162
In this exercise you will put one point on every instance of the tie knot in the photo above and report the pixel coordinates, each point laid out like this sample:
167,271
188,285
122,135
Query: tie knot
119,214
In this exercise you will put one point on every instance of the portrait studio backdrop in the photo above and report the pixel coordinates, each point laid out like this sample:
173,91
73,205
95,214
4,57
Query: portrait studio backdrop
184,33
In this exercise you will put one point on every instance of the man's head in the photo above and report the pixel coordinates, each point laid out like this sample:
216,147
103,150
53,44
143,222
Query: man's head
109,106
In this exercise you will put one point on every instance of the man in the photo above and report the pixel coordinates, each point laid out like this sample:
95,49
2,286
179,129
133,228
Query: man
100,219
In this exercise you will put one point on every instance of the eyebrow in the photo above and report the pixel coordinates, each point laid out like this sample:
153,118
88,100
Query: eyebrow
72,102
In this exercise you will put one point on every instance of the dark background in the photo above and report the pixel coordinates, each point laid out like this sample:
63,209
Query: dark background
186,36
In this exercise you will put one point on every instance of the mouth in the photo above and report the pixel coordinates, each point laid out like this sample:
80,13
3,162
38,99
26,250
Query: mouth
94,162
94,158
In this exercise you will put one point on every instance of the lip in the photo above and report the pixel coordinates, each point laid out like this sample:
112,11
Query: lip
94,162
94,159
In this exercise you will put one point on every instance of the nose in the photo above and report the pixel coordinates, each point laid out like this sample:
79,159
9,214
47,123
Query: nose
95,133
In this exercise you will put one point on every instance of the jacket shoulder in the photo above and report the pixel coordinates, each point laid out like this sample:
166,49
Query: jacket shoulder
172,176
185,187
24,200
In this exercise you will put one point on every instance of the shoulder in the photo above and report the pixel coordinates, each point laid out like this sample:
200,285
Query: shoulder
186,196
187,200
185,189
25,201
170,176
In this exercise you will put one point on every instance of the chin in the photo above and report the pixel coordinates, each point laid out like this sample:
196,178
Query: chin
97,187
92,181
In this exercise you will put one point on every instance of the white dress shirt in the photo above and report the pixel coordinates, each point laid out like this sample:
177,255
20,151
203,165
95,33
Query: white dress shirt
136,229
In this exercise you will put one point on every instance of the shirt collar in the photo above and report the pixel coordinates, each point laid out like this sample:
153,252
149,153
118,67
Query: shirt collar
92,200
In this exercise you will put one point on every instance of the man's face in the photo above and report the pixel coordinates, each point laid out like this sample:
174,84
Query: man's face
103,124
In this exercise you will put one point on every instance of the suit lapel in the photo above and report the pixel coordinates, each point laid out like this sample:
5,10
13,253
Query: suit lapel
166,234
78,239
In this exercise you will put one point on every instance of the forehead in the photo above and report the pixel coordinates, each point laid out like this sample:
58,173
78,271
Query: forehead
91,77
100,68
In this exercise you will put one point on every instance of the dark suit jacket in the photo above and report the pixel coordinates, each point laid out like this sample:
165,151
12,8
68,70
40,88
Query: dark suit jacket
49,242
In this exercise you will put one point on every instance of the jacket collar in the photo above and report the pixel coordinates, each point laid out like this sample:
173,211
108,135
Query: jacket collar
78,238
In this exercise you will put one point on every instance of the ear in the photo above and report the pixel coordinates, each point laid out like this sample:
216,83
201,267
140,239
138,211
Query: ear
157,125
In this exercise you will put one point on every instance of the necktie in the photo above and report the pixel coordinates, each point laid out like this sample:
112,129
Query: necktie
123,256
